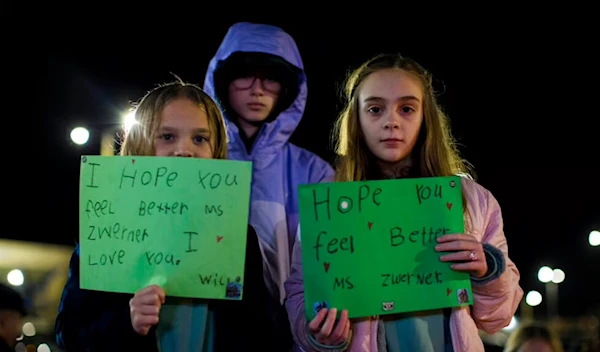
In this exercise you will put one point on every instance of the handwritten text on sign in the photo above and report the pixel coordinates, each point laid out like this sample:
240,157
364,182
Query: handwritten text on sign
369,246
177,222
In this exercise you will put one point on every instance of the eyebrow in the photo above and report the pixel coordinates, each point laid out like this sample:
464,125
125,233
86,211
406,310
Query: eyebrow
196,130
404,98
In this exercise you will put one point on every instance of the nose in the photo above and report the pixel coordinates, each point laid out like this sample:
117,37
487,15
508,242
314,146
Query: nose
183,150
392,122
257,86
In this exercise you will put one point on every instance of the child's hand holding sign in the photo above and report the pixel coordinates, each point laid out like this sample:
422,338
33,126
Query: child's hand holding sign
144,308
322,327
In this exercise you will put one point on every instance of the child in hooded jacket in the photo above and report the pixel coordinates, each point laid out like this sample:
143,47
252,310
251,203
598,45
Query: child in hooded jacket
257,76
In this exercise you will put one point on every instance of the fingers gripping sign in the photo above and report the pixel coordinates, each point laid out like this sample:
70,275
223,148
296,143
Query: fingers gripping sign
144,308
467,254
329,331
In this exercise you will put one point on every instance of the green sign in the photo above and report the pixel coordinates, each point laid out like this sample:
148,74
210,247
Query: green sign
180,223
369,246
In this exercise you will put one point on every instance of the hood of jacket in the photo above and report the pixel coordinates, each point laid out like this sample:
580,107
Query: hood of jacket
267,39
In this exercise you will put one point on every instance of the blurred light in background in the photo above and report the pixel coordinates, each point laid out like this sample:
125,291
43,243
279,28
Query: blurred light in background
558,276
15,277
28,329
545,274
514,322
80,135
594,238
43,348
533,298
129,120
21,347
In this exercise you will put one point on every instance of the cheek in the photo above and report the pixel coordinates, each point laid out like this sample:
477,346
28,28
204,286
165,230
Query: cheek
367,131
361,126
235,96
414,128
205,154
161,150
205,151
271,100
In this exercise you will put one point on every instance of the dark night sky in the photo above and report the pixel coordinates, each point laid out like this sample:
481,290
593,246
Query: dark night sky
517,93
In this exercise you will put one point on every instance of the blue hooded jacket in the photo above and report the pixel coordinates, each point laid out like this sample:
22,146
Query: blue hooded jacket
279,166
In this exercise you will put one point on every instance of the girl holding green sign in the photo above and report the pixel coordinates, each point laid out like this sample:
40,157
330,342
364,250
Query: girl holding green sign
392,127
174,120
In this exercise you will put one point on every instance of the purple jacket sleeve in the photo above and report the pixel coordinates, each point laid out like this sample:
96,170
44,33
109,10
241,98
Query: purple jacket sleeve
294,304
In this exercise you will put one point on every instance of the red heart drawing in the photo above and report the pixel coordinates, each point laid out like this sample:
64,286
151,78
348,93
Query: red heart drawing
326,266
133,161
219,238
449,205
370,225
448,291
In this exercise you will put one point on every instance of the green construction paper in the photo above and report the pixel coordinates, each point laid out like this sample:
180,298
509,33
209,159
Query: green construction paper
348,259
185,223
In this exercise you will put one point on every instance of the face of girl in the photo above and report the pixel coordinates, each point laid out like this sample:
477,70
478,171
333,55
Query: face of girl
390,114
184,131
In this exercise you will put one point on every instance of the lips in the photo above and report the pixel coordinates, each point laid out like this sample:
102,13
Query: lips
256,105
391,142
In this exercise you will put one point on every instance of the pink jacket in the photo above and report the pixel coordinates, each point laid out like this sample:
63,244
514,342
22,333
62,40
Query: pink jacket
495,302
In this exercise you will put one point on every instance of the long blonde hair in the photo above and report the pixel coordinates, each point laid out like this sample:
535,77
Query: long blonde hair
139,140
435,152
